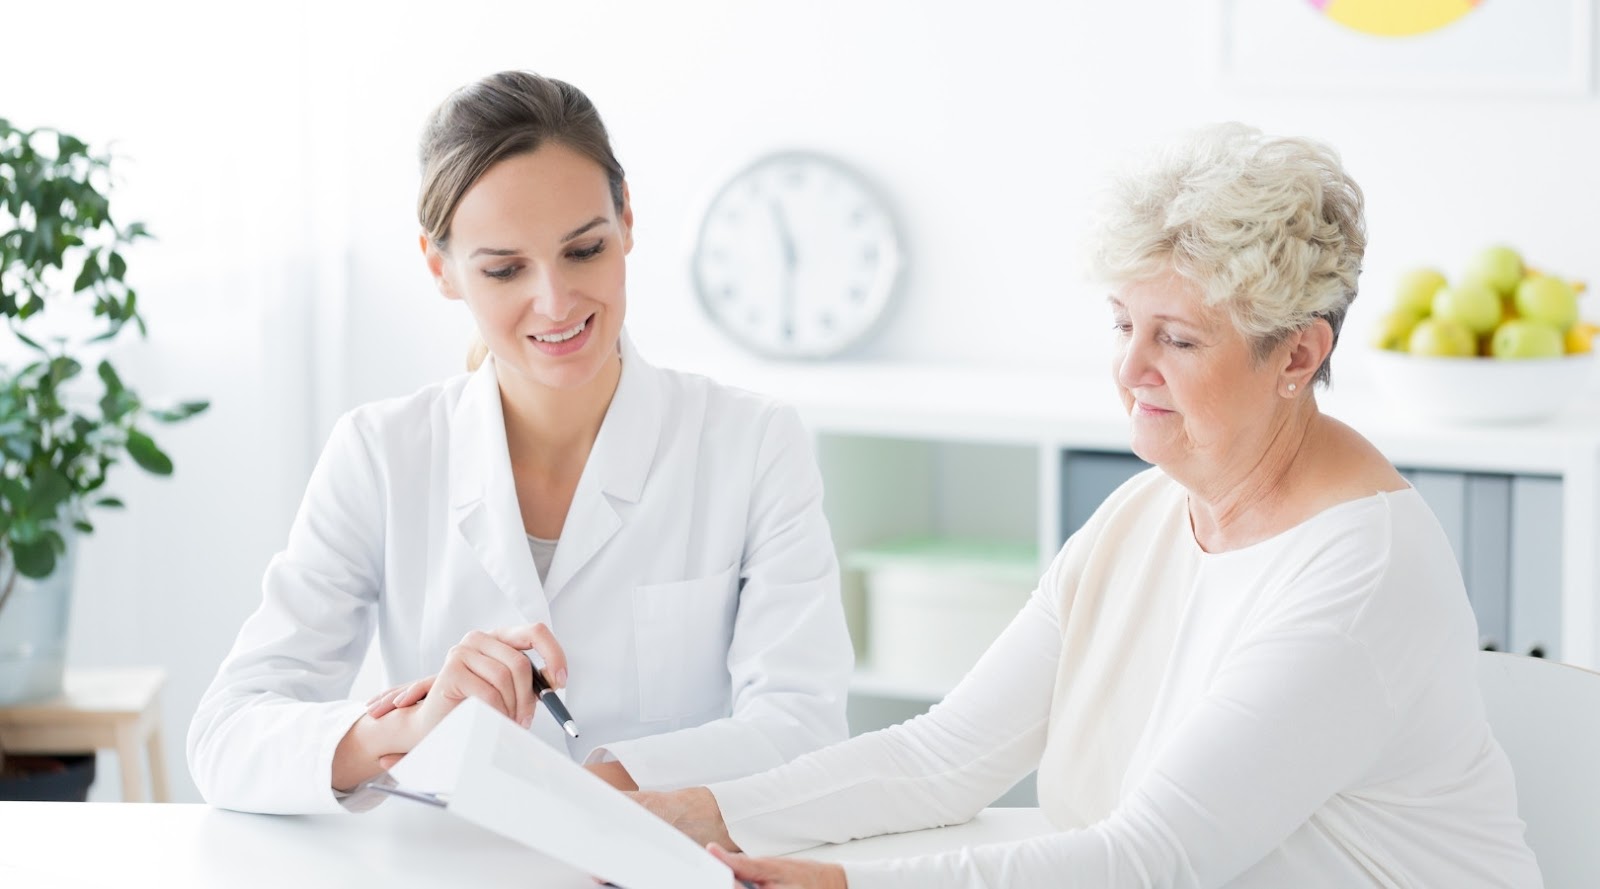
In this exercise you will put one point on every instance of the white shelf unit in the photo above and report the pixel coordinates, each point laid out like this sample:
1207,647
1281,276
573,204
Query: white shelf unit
908,448
1024,455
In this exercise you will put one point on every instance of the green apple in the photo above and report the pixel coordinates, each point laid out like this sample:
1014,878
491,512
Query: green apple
1394,331
1500,267
1416,290
1549,299
1442,338
1526,339
1472,304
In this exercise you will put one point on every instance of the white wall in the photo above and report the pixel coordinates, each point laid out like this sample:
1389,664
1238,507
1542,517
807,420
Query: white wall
987,125
276,158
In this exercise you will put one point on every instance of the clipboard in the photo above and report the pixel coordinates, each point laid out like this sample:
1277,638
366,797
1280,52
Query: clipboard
480,766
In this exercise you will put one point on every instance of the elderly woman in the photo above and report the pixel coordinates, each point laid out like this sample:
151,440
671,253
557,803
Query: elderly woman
1253,666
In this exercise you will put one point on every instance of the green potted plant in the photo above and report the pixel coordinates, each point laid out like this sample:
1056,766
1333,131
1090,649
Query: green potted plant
61,429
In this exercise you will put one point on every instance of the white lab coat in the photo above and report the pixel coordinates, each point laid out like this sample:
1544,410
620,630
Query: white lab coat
694,589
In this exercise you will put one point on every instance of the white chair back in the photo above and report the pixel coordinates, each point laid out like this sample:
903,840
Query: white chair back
1546,715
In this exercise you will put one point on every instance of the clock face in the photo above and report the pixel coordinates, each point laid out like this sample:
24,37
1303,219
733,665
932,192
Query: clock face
796,257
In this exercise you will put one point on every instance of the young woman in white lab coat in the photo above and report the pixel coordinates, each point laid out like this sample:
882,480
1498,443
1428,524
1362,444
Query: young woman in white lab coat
656,537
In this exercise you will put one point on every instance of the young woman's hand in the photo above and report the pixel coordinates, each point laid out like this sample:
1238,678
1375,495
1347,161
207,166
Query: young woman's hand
692,810
780,873
489,666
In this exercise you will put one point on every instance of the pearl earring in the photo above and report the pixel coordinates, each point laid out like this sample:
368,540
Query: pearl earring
1292,387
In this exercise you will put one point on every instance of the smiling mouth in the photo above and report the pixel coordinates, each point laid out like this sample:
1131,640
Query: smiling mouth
562,336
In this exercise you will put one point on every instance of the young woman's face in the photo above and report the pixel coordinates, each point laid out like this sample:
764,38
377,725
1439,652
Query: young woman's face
536,252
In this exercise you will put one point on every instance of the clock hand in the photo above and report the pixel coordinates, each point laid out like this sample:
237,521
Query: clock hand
790,261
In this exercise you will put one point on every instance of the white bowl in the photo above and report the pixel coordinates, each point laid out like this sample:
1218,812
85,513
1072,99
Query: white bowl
1480,390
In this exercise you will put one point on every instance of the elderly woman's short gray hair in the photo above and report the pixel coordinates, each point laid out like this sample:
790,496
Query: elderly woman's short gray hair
1269,227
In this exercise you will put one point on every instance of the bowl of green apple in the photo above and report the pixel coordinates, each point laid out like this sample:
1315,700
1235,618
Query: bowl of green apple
1502,343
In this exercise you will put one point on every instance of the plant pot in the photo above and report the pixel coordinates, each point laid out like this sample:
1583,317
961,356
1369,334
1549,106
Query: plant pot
47,779
33,630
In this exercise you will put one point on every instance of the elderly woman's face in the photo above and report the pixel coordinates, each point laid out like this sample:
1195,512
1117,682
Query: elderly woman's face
1185,374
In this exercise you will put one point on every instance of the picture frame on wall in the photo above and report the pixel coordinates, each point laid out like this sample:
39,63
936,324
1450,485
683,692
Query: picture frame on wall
1467,47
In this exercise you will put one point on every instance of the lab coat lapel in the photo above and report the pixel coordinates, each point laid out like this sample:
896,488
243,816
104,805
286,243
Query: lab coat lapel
483,495
615,472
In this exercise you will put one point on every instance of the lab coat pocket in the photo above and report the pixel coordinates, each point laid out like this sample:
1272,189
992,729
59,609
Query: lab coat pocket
683,630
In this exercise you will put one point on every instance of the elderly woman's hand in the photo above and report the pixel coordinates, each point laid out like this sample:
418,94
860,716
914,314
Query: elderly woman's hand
692,810
780,873
399,697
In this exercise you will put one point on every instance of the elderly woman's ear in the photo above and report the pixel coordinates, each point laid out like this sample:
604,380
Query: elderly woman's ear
1307,350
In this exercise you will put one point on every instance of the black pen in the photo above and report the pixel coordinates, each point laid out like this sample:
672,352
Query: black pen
551,701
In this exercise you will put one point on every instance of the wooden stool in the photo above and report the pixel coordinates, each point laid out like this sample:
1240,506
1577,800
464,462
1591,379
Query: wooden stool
112,709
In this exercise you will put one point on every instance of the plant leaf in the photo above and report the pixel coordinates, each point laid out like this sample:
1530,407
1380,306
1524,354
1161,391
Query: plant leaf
108,375
89,274
35,559
145,453
183,411
50,488
68,146
63,368
24,530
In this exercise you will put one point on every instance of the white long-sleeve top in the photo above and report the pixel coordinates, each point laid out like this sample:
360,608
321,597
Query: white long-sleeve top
694,588
1300,712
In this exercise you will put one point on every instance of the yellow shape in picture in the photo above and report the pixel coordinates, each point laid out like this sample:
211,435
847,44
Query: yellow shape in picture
1395,18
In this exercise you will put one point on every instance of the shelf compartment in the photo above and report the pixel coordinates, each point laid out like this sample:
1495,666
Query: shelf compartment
934,604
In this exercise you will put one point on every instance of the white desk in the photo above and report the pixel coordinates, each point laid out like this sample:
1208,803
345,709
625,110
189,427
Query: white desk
83,845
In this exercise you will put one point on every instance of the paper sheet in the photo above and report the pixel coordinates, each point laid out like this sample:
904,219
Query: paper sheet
488,770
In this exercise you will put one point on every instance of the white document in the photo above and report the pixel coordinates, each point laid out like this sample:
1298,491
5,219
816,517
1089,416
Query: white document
484,768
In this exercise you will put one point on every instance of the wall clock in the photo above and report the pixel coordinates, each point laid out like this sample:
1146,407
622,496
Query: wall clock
797,256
